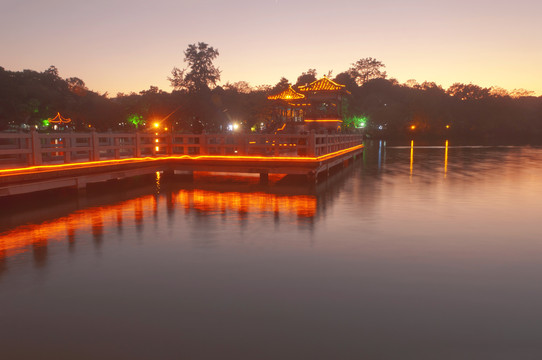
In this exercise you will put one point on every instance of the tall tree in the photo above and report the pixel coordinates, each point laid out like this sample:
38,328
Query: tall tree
346,78
367,69
200,73
282,85
306,77
52,71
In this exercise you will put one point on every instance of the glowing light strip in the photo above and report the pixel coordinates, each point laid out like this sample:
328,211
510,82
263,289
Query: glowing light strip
235,158
411,157
334,120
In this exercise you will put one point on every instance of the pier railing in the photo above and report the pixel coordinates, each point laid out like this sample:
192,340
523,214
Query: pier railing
36,148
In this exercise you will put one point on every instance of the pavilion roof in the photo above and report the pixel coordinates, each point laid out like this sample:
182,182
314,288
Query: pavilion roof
324,84
59,119
288,94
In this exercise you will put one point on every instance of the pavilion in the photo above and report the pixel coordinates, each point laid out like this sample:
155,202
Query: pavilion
316,106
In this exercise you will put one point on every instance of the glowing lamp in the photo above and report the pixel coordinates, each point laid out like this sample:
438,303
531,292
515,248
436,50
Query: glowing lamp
412,127
156,125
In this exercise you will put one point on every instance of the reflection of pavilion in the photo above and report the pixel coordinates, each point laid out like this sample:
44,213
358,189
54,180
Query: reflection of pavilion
315,106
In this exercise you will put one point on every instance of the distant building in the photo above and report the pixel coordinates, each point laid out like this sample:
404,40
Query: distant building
315,106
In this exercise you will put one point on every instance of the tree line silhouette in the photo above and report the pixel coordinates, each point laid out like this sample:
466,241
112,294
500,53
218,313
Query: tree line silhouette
391,110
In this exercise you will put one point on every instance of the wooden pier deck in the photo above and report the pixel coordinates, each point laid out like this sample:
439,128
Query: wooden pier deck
35,162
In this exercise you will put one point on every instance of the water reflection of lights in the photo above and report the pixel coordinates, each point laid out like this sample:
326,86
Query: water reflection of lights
446,158
439,147
411,157
303,206
94,221
381,149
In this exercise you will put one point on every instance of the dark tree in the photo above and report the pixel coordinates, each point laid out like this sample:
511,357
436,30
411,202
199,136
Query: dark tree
346,78
468,91
367,69
77,86
282,85
52,71
306,77
241,87
201,73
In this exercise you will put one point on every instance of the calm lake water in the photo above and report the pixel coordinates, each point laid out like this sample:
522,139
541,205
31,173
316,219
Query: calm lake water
410,253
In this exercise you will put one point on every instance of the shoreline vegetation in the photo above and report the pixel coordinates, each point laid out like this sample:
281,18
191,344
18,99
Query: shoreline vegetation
379,106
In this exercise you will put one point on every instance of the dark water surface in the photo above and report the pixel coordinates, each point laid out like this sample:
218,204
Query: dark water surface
423,253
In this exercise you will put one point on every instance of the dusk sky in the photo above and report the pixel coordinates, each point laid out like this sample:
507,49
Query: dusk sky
129,45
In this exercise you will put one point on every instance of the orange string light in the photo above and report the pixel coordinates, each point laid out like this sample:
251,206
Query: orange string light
233,159
323,120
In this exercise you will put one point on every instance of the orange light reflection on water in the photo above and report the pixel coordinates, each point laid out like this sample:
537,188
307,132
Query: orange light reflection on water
446,159
133,212
411,157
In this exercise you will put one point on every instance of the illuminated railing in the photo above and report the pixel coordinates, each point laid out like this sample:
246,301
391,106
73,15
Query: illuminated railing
40,148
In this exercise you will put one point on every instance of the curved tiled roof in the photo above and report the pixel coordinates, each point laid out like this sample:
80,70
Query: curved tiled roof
324,84
288,94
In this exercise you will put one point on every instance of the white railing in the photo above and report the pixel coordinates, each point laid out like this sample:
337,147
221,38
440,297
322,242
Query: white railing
35,148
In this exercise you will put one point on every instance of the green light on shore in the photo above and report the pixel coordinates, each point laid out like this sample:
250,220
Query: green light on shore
135,119
359,122
45,122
